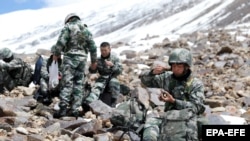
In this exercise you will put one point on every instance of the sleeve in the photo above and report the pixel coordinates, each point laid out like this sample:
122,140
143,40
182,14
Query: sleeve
91,47
154,81
44,71
14,64
117,68
62,40
195,99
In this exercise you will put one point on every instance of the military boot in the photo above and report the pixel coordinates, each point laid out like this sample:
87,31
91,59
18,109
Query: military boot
47,99
61,113
75,114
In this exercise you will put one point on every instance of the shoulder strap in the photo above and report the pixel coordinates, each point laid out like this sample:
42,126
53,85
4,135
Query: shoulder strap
187,88
188,84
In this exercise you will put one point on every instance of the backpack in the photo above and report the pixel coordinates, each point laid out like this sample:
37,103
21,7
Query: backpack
201,119
129,116
26,74
78,38
37,72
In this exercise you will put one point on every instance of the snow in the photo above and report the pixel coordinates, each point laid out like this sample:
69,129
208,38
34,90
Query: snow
35,24
97,12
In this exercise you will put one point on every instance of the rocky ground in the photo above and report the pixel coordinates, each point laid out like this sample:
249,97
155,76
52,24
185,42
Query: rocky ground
221,61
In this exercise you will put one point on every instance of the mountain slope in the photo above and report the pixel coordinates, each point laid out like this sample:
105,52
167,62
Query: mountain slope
127,21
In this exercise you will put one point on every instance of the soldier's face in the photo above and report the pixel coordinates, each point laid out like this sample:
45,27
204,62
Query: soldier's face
105,51
178,69
56,57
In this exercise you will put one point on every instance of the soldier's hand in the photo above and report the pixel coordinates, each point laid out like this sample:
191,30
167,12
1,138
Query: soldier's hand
109,63
59,77
166,97
159,70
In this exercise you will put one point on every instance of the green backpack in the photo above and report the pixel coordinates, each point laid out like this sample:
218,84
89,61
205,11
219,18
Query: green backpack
129,116
201,119
27,74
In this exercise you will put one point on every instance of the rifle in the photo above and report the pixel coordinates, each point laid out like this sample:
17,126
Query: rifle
107,82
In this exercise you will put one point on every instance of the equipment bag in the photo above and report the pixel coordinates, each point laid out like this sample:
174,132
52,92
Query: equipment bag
27,74
129,116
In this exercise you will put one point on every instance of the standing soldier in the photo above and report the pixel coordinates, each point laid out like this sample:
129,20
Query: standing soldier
75,40
183,95
109,67
13,71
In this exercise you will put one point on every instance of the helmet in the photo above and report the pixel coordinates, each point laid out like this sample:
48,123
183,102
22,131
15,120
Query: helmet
53,50
180,55
5,53
69,16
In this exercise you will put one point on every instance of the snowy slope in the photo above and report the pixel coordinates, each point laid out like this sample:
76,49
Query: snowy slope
125,20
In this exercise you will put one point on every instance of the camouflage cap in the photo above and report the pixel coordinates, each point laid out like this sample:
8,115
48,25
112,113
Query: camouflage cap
69,16
53,50
180,55
5,53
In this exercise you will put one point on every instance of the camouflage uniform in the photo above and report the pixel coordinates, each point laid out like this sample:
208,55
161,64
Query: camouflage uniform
75,41
14,71
105,71
44,81
178,123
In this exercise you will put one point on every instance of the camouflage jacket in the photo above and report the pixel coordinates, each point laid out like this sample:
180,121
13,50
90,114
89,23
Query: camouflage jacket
104,70
76,40
18,70
45,67
188,93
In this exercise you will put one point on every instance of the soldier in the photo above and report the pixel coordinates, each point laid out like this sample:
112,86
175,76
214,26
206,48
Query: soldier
75,40
47,91
13,71
183,95
109,67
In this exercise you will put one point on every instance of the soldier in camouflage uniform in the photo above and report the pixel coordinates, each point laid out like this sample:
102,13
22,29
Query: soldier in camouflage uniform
45,91
183,95
107,64
13,71
75,40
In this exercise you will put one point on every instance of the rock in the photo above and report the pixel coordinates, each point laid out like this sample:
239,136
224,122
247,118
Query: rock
246,116
22,130
220,61
35,137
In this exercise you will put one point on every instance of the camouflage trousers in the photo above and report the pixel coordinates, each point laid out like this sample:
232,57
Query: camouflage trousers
5,77
174,125
113,87
151,130
72,82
